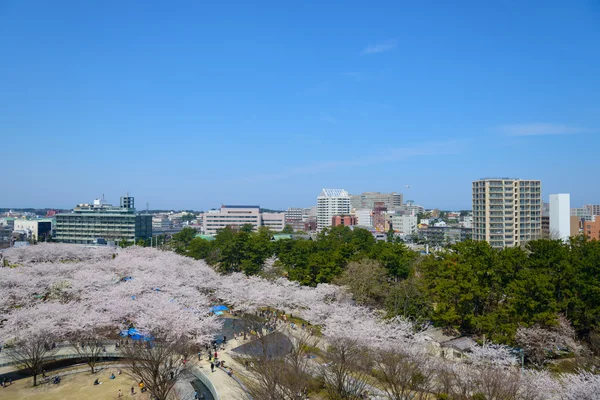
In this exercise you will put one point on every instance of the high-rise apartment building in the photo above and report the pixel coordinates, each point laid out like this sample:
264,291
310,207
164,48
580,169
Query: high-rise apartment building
329,203
368,200
560,216
507,212
89,222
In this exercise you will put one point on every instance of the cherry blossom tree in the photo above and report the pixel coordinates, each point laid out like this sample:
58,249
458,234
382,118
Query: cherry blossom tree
32,333
539,343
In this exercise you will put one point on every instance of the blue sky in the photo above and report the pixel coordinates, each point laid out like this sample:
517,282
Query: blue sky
192,104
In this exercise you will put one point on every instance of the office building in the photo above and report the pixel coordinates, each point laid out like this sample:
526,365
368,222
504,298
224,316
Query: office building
507,212
34,229
404,224
368,200
343,220
329,203
273,221
295,217
236,216
364,217
100,222
560,213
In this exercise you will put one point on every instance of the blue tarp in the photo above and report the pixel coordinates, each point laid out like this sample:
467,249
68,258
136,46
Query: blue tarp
218,312
219,308
134,334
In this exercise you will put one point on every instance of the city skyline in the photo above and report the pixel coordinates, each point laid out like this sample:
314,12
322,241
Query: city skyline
211,104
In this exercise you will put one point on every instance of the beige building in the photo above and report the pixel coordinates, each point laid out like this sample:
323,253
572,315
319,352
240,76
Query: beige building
507,212
33,228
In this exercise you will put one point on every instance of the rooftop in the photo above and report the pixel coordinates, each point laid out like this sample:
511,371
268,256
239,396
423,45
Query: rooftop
334,193
234,206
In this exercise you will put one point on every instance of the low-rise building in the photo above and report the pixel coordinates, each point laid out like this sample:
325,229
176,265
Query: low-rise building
238,216
34,229
343,220
404,224
273,221
440,236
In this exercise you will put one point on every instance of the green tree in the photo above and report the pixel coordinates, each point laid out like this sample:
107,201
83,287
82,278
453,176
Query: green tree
367,281
185,236
288,229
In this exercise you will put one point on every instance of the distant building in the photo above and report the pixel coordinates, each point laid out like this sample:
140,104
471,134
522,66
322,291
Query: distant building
273,221
593,209
8,221
329,203
5,236
411,208
89,222
507,212
583,213
344,220
576,225
591,229
364,217
161,223
295,218
368,200
440,236
404,224
467,221
560,221
239,215
34,229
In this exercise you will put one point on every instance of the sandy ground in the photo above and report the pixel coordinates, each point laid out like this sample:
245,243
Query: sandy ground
75,387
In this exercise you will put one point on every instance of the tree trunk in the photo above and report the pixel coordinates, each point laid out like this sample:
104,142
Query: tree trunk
34,379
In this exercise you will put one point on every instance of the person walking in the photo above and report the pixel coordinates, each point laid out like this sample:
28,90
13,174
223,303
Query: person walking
119,393
212,367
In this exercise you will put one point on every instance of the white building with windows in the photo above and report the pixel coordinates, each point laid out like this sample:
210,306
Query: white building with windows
329,203
404,224
238,216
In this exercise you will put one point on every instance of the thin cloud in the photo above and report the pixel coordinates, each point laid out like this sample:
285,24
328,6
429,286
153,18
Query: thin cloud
540,129
381,47
385,156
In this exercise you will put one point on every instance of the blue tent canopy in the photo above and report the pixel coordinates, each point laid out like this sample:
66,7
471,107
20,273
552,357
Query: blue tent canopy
219,308
134,334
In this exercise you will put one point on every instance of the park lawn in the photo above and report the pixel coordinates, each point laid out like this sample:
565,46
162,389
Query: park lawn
75,387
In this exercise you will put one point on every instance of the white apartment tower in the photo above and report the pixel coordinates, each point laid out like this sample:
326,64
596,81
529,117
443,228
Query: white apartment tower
560,216
507,212
329,203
